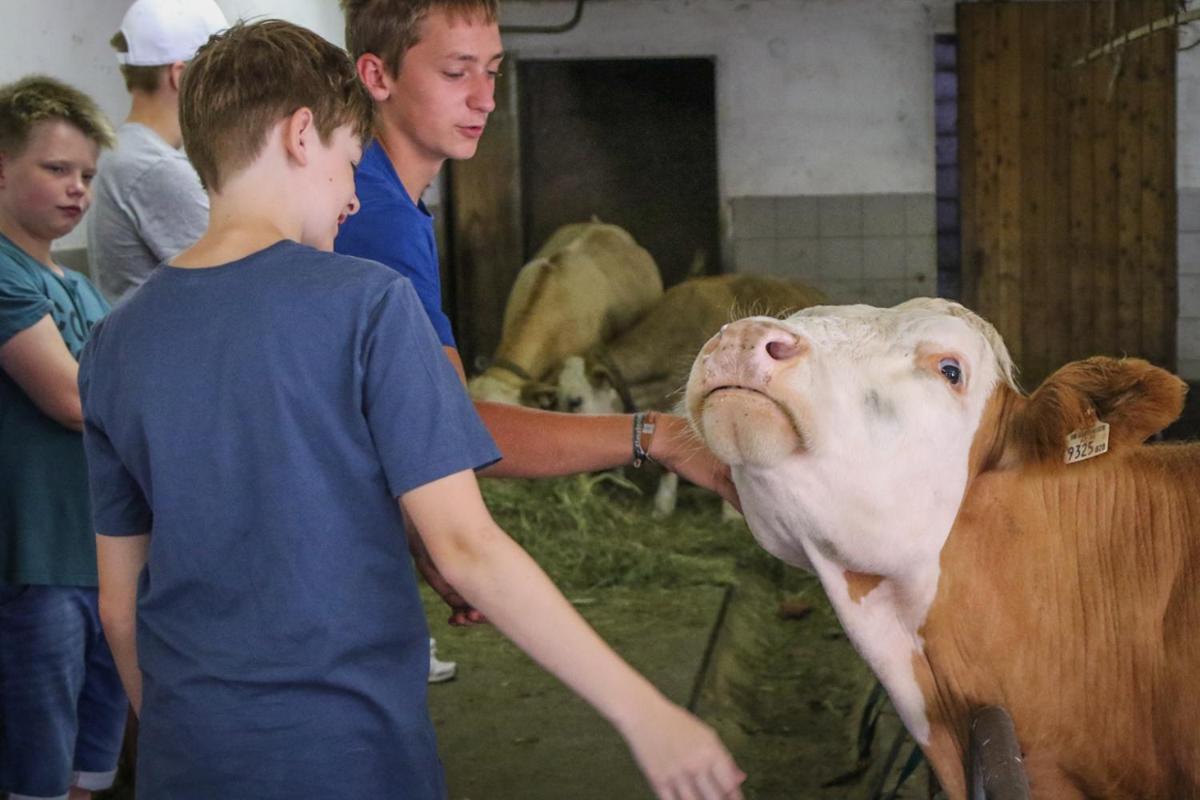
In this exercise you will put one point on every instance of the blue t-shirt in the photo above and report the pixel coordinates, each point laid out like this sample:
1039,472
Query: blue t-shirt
259,419
46,534
391,229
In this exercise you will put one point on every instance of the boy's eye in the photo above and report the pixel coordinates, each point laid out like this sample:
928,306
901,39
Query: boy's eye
494,73
88,177
454,74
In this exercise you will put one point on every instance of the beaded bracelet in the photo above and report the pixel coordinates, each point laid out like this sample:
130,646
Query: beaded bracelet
643,435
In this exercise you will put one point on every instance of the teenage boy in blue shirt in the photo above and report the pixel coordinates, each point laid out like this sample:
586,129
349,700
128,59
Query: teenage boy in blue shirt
273,401
430,67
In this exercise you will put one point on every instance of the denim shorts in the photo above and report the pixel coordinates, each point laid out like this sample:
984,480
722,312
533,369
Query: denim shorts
62,708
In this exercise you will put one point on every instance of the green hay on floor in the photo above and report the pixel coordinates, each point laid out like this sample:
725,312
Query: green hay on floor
591,531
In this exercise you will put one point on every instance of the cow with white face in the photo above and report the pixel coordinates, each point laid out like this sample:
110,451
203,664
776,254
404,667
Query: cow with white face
890,452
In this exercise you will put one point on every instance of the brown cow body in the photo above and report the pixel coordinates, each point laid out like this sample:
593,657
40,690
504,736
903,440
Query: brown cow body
889,451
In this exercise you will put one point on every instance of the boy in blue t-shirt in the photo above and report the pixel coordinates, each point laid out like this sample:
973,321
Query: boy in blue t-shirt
62,710
273,402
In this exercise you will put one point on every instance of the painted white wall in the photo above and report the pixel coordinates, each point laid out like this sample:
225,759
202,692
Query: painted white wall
68,40
818,97
322,16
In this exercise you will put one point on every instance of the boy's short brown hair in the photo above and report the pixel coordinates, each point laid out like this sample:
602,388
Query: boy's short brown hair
137,78
37,98
247,78
389,28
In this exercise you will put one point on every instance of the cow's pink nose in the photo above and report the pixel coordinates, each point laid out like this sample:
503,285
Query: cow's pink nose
784,347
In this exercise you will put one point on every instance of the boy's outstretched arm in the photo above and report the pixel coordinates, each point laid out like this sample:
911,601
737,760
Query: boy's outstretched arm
544,444
119,560
680,756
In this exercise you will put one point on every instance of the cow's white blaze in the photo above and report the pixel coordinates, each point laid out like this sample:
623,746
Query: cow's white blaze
578,394
883,405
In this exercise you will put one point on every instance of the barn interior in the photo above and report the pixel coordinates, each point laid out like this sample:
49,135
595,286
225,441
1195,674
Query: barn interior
1025,158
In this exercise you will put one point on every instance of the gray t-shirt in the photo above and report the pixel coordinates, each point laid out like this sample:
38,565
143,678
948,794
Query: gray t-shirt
148,206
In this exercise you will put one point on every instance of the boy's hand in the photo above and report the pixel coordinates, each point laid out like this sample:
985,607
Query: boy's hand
677,447
461,612
682,757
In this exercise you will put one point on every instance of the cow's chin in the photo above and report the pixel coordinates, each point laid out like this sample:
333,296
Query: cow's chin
743,426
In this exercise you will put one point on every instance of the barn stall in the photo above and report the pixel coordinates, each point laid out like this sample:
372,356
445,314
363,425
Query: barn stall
874,149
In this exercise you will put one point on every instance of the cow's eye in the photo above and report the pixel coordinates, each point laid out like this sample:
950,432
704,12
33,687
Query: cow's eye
574,404
951,370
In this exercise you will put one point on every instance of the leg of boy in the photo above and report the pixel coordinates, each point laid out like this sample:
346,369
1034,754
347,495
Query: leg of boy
101,710
43,668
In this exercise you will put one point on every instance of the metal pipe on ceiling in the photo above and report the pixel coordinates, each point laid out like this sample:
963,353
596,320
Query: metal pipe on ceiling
563,28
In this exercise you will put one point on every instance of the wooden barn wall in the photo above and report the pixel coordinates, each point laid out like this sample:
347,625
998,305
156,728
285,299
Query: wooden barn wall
1068,180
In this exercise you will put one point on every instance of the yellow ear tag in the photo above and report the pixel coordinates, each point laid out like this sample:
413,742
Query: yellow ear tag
1087,443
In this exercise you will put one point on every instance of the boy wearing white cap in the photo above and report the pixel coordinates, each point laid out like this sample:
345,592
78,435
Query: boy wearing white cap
149,204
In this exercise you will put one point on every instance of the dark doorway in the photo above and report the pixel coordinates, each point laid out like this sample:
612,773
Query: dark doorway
631,142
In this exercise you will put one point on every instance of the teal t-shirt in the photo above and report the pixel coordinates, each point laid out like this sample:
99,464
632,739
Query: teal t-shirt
46,534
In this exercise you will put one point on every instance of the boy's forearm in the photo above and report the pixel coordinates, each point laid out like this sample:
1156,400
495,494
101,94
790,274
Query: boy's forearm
542,444
503,582
119,561
122,641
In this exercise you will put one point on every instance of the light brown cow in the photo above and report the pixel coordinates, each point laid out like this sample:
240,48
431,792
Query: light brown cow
646,367
588,282
889,451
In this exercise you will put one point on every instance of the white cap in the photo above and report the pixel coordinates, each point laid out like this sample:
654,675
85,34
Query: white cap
165,31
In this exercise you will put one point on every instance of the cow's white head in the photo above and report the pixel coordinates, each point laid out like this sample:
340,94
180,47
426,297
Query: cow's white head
849,427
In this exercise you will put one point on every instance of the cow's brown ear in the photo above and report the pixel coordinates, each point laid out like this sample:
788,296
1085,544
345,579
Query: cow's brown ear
539,395
1136,399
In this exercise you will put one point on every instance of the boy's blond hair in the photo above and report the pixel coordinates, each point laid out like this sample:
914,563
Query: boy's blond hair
137,78
38,98
249,77
389,28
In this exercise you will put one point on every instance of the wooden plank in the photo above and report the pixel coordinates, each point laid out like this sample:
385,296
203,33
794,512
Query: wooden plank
1157,317
487,243
1007,314
1061,21
1130,82
1081,247
1104,187
1032,267
980,85
966,25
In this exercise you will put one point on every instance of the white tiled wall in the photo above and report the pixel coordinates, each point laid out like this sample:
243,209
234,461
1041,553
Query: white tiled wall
1189,284
878,249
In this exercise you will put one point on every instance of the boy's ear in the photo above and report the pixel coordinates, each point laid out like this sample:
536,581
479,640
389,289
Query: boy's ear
298,131
374,75
175,75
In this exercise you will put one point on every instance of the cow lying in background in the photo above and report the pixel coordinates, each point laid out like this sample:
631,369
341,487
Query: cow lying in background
588,282
890,452
646,367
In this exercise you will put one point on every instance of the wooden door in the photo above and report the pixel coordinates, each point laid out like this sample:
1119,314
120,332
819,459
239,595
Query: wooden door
1068,180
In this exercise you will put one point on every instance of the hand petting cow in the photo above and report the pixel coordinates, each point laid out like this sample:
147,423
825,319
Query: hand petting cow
979,546
589,281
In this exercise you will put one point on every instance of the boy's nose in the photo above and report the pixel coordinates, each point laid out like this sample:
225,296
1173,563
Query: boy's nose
484,96
353,206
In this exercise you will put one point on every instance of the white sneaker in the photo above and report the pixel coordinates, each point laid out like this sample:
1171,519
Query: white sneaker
439,671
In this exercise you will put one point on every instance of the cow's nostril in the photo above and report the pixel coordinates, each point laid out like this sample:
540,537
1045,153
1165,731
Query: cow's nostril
784,349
